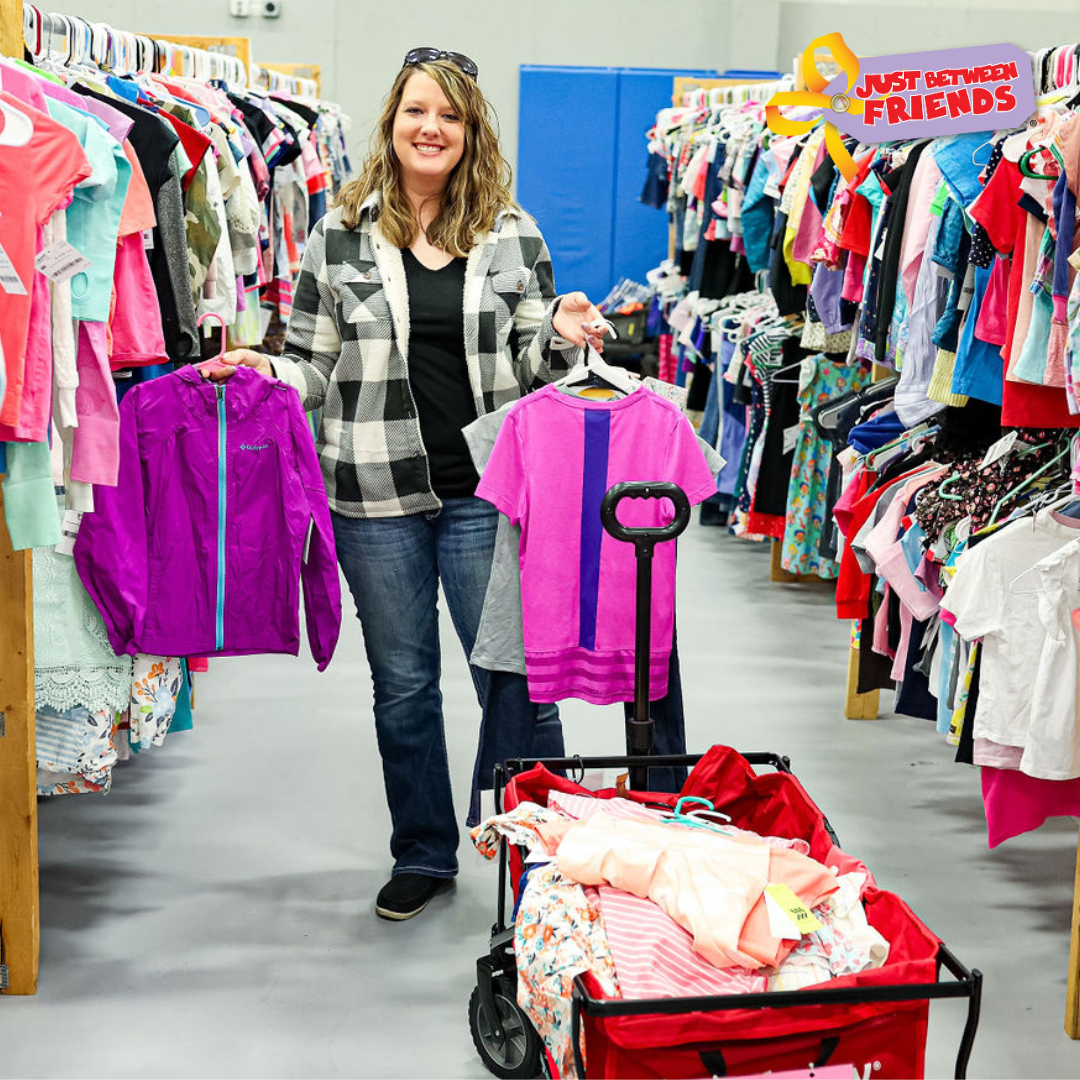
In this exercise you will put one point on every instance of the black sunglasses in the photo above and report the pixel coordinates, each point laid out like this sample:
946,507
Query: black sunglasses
428,55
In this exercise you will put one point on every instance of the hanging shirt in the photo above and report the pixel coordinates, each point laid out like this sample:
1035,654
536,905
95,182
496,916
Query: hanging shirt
985,604
93,220
1053,749
53,158
555,458
998,210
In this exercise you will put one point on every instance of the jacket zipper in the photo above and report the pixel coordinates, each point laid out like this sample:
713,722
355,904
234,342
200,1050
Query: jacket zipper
220,620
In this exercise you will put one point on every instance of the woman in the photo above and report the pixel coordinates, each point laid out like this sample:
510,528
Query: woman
425,299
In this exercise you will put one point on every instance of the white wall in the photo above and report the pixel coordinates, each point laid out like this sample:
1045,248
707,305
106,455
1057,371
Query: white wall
360,43
872,27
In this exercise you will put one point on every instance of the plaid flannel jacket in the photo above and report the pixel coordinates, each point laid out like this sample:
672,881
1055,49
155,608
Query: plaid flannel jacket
346,351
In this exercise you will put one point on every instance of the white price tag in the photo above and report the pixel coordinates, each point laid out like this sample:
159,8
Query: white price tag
69,529
60,261
772,188
148,239
10,281
999,450
791,437
781,924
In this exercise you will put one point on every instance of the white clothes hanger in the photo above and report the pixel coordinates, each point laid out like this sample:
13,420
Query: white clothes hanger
594,365
17,128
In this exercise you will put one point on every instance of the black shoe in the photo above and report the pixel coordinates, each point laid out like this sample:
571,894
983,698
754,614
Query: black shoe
406,895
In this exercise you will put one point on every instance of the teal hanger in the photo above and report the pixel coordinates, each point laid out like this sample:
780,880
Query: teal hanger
679,818
1024,483
952,479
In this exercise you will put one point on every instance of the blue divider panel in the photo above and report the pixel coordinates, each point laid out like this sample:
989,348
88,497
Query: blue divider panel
581,167
566,137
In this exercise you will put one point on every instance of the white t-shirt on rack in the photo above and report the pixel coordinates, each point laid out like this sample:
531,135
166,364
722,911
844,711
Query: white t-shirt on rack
1053,747
986,605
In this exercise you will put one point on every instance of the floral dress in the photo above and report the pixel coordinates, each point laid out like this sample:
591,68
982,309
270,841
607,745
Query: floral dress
559,933
822,379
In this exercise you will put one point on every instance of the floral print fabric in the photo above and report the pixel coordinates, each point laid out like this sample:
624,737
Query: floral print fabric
75,750
154,691
519,826
558,934
823,380
974,492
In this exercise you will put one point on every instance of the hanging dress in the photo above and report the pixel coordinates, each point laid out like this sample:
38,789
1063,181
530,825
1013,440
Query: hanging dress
822,379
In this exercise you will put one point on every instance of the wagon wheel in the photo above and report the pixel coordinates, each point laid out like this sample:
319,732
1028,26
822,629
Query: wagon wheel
507,1044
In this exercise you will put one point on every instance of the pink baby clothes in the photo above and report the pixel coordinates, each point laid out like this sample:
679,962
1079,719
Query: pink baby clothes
1016,803
924,186
887,551
36,404
654,956
95,455
711,885
806,235
556,456
135,323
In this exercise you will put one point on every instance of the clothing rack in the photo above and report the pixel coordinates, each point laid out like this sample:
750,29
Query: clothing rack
227,58
686,84
55,35
303,80
689,84
865,706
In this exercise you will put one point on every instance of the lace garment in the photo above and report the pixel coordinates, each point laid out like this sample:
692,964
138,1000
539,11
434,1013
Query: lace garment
73,662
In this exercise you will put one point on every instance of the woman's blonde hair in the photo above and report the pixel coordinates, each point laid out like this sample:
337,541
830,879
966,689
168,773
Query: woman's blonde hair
477,190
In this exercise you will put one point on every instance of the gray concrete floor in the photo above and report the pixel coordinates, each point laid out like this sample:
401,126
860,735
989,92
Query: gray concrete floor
213,915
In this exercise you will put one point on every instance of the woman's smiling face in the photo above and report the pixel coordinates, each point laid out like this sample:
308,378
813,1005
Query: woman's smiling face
429,135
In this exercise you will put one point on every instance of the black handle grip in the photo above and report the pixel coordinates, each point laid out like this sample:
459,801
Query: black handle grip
638,489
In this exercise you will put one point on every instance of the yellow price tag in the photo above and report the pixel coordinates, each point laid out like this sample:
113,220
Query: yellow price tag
793,907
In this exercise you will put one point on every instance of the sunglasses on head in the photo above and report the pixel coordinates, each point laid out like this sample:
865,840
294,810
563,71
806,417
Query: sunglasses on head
428,55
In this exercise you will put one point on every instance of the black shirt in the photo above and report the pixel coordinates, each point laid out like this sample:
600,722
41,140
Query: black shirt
438,373
153,141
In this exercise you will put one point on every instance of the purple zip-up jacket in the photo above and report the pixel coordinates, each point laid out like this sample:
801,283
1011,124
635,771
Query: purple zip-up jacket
200,548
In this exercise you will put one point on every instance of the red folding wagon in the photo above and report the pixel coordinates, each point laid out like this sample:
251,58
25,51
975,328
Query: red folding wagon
873,1023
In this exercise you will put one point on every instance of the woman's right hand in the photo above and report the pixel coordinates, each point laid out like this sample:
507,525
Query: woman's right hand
243,358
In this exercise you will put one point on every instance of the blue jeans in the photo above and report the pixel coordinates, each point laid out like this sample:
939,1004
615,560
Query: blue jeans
512,726
515,727
393,567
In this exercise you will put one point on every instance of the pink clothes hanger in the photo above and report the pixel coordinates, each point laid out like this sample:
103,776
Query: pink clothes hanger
214,365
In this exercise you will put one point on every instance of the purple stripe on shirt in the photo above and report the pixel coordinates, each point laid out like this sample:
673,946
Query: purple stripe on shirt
594,484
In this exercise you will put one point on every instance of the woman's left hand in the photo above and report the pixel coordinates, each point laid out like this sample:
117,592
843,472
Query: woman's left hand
576,310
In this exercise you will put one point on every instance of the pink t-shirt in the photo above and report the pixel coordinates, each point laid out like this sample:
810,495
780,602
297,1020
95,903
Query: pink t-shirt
556,456
53,158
